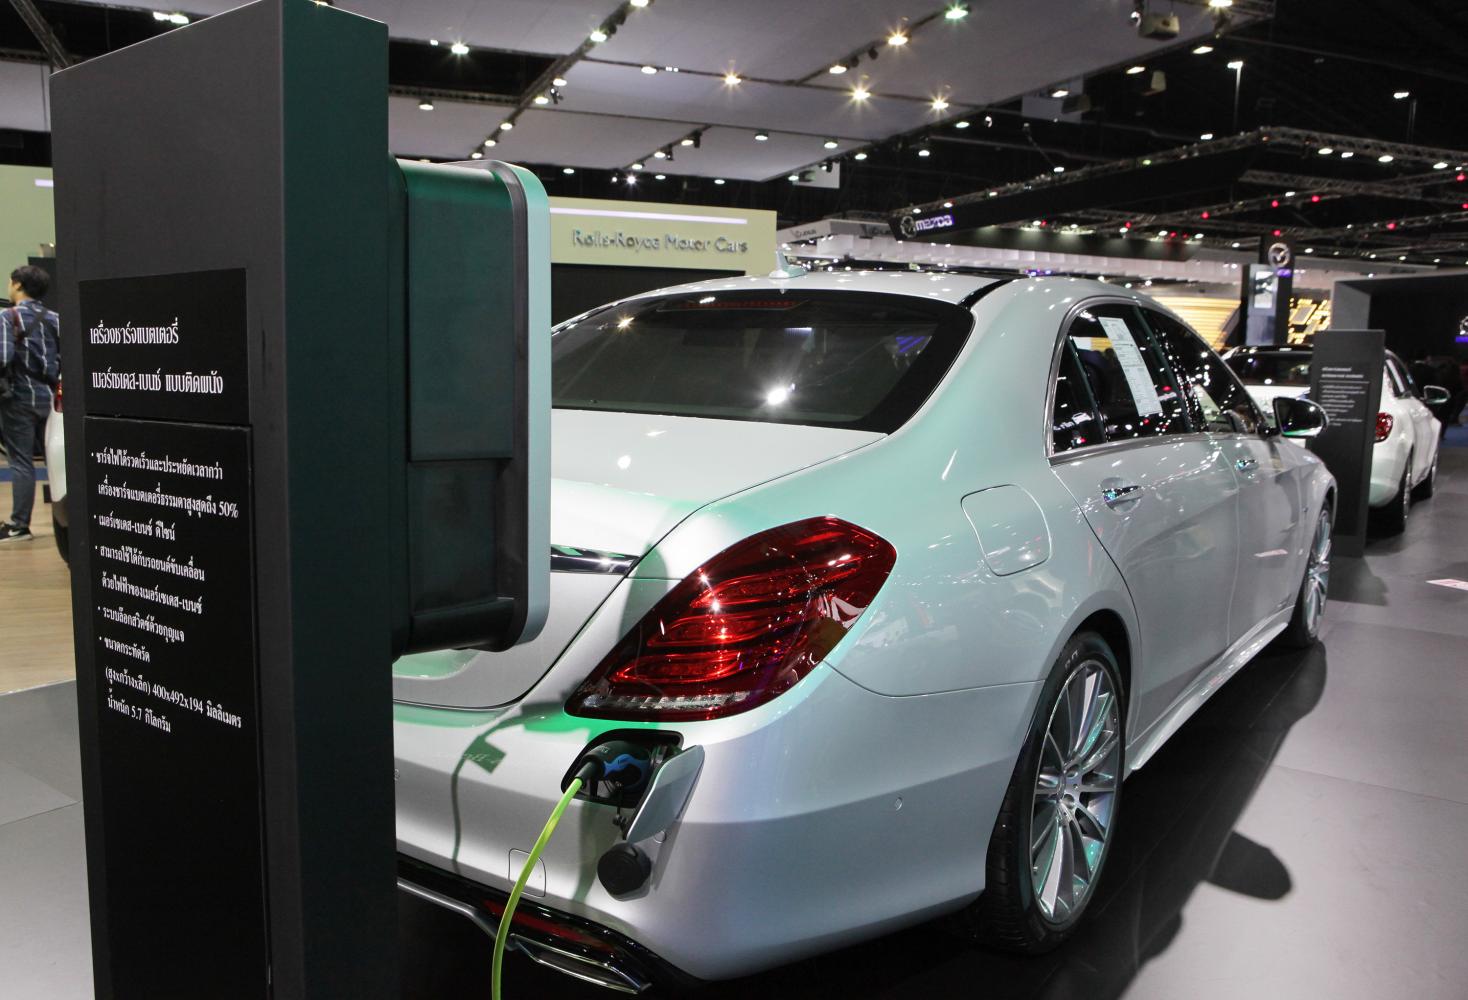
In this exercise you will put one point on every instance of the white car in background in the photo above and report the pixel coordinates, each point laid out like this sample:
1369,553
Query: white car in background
898,574
55,435
1404,458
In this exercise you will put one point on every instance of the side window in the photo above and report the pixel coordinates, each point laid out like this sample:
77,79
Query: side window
1132,386
1222,403
1073,421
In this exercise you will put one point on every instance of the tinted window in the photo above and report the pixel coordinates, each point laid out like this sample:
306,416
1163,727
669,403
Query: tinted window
1133,388
1397,375
1073,421
1221,402
1272,367
831,359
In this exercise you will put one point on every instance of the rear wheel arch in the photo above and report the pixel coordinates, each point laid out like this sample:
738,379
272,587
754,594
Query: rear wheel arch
1110,626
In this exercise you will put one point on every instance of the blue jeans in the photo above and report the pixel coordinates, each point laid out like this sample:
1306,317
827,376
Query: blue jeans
21,426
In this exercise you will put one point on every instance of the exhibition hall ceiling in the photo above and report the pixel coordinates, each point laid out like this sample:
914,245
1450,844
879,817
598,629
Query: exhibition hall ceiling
780,51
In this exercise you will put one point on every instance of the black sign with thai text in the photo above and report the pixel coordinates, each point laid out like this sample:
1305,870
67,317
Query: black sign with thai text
1346,369
174,655
170,346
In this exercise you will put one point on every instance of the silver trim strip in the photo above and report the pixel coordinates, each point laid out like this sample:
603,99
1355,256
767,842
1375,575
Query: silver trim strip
588,970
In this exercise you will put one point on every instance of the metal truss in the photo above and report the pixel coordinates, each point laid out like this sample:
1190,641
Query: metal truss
56,53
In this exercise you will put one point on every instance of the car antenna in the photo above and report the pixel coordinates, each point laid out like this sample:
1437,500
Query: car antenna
785,269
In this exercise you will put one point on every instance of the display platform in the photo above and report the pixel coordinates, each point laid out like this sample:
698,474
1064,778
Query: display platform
1295,840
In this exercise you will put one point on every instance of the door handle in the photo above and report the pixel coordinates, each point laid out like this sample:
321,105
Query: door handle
1115,495
1245,464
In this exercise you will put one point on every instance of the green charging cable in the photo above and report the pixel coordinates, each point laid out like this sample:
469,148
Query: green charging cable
502,935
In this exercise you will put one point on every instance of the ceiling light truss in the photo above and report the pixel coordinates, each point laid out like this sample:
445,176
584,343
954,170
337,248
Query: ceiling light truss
1374,234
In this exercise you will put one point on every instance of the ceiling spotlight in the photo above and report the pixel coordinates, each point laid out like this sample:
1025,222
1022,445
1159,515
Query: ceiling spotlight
925,152
649,70
1134,70
1206,136
830,144
1202,50
476,155
688,141
1385,158
860,156
837,69
1346,154
962,124
956,13
948,204
731,79
636,166
559,81
762,137
568,170
719,180
661,154
1220,4
940,104
1325,150
1060,92
542,100
506,126
1401,95
1235,64
860,94
425,105
459,49
598,36
793,178
1057,170
640,3
660,177
631,181
431,41
1440,165
491,142
159,15
897,39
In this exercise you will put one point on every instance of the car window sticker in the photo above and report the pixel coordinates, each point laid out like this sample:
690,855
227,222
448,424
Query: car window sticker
1138,377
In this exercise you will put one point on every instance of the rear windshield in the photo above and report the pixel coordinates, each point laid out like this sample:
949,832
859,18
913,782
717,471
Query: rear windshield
1272,368
848,359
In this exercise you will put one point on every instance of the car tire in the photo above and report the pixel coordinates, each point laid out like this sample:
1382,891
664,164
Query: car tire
1392,519
1304,626
1044,837
63,535
1424,489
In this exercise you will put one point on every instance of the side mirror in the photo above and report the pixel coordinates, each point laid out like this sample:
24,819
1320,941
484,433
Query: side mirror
1298,417
1435,395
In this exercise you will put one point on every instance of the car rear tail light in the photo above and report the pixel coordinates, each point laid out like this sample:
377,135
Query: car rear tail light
1383,426
744,627
56,398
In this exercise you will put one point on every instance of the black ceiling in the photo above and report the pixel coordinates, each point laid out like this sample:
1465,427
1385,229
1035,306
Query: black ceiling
1316,65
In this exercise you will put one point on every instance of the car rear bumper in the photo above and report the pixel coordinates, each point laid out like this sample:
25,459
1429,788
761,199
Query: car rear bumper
805,830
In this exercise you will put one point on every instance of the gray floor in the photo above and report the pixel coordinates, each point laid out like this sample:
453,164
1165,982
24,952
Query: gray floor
1302,837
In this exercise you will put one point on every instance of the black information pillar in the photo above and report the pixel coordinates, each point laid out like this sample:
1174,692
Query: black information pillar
1345,379
221,205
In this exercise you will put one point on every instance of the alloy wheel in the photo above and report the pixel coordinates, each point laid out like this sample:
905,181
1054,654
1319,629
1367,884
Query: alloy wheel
1075,791
1317,574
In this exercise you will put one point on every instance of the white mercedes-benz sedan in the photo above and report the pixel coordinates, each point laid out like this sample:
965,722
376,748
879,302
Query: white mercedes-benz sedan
882,582
1404,456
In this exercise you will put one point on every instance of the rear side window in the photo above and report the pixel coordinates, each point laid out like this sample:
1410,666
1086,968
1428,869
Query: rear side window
1221,402
853,360
1073,421
1135,393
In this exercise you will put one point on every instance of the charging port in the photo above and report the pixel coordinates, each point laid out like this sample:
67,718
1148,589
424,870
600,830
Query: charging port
617,767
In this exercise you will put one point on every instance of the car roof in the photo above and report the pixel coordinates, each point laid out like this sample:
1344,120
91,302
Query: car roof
941,286
944,287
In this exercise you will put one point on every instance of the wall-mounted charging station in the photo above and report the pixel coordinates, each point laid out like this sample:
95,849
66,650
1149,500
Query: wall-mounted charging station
307,420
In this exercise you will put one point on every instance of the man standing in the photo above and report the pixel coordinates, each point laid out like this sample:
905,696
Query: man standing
30,367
